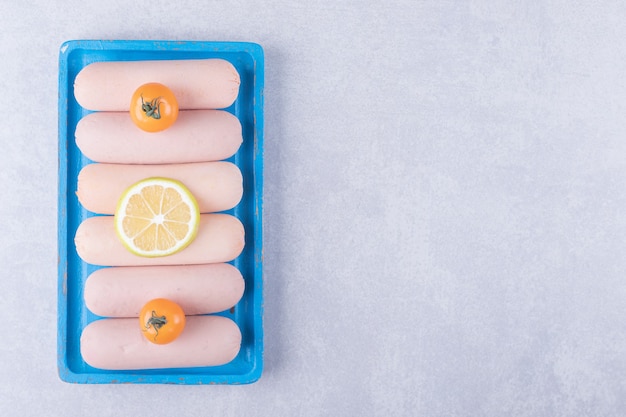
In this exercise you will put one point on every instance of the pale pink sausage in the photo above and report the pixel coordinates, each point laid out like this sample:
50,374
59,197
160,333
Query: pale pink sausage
197,289
197,84
217,186
118,344
220,238
196,136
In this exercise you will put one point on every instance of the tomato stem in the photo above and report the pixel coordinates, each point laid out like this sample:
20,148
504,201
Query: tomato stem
157,322
152,108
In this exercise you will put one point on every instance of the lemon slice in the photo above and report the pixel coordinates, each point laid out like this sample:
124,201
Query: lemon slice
157,217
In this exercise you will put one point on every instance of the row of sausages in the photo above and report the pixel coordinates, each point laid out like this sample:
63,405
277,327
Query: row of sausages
192,151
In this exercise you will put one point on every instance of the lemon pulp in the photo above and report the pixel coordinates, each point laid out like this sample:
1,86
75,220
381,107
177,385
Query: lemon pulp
157,217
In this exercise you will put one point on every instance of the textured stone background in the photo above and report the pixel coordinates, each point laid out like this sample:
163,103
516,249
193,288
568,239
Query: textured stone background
445,197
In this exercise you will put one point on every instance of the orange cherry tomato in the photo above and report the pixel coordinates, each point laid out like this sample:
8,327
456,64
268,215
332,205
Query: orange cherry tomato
161,320
153,107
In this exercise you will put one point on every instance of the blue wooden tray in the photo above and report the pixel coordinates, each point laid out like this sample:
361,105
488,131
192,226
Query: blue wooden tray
73,315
